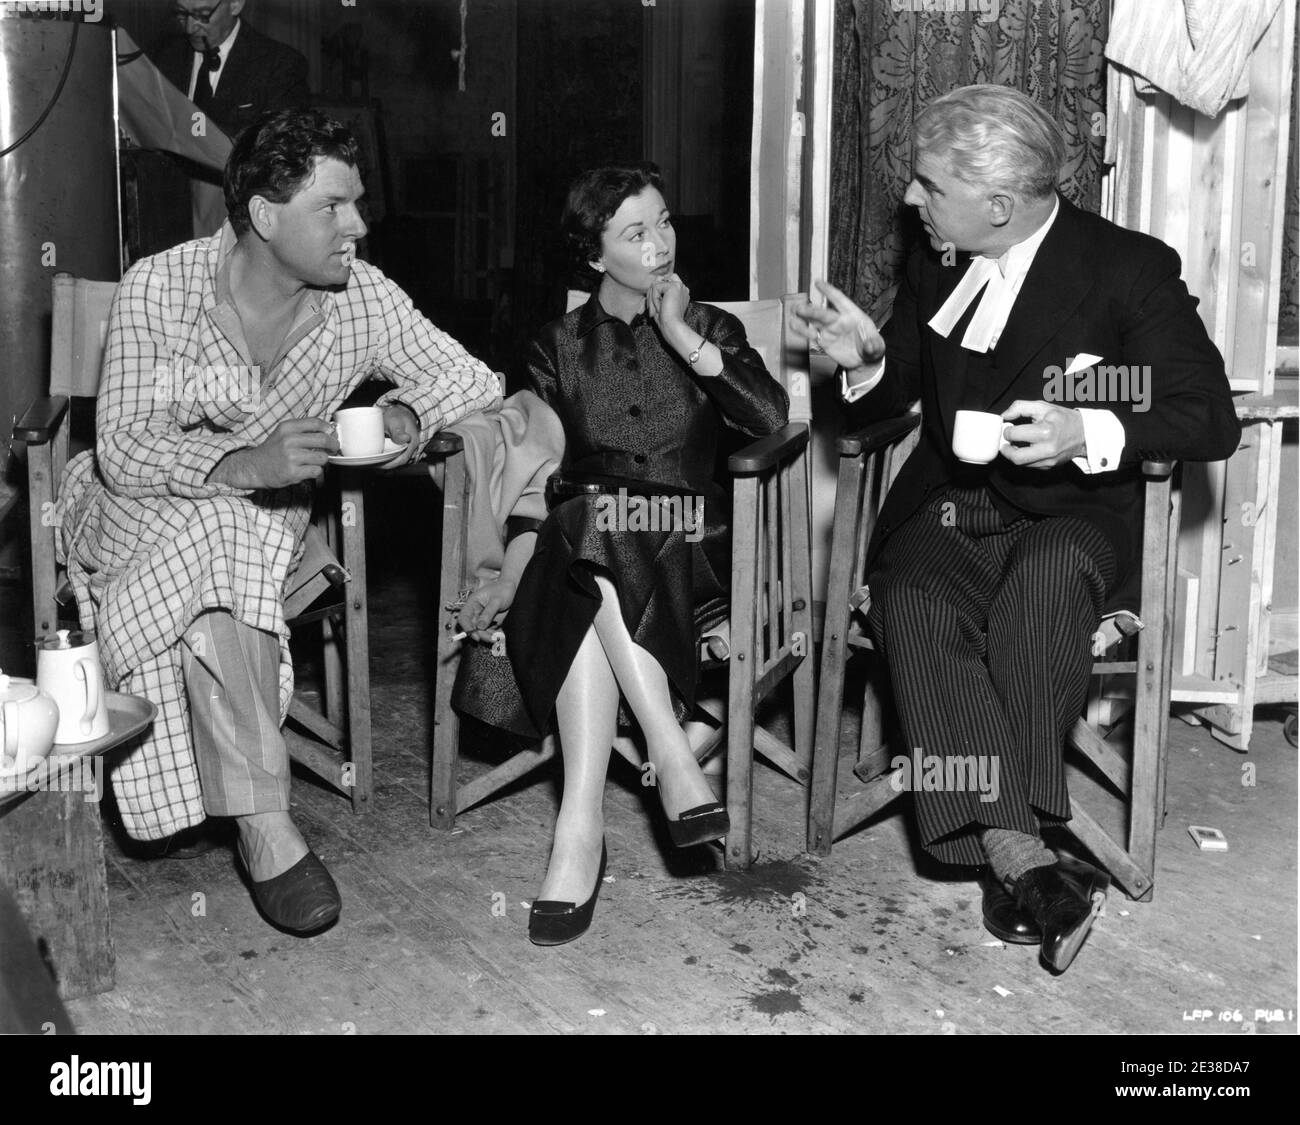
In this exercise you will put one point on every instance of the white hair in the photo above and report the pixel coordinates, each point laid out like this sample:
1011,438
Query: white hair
996,136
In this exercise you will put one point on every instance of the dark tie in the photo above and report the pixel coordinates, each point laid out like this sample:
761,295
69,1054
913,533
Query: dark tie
203,86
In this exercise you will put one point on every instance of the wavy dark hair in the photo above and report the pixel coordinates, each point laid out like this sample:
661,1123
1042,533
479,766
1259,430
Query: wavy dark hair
593,198
276,154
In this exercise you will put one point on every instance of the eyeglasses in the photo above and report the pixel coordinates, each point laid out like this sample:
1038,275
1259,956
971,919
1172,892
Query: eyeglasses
198,15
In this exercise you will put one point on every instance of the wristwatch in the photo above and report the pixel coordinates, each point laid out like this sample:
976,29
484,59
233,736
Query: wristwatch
694,357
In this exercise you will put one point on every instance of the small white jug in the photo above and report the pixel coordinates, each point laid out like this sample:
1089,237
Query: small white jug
67,667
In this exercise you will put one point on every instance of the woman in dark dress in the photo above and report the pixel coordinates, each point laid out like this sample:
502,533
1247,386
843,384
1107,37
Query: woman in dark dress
634,556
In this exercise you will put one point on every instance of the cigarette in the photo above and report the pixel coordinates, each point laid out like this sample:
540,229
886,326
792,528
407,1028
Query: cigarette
459,636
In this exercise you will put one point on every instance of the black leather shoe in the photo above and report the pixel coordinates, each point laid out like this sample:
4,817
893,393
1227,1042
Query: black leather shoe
301,900
699,825
554,923
1063,899
1002,917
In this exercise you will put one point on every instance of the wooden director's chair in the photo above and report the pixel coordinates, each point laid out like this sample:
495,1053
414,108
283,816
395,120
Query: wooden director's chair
771,633
1126,648
333,742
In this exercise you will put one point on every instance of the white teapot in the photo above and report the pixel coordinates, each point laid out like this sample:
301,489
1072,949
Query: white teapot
28,719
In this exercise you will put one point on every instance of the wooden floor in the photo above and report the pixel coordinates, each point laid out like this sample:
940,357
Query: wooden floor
874,938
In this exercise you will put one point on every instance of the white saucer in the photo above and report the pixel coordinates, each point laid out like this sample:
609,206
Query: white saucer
391,450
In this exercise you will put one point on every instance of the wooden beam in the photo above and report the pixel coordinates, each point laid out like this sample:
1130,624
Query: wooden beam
325,763
852,811
1098,751
819,51
517,766
1135,882
777,148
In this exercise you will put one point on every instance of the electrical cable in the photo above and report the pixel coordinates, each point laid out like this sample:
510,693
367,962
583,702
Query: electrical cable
58,91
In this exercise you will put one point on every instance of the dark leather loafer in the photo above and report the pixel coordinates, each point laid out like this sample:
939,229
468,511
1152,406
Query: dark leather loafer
1063,899
1003,918
301,900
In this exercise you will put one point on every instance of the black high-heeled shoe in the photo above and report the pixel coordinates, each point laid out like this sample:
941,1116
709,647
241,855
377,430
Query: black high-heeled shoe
699,825
554,923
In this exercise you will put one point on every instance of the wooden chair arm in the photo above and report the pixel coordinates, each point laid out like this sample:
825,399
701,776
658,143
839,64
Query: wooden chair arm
877,435
766,452
443,443
1158,470
42,419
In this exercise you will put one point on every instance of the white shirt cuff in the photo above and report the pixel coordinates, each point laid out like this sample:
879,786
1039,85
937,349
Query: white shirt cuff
855,392
1103,436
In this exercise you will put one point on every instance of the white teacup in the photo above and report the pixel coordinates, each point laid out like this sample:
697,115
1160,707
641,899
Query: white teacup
978,436
360,430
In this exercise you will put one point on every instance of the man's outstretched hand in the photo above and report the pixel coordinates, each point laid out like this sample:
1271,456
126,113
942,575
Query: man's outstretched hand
843,330
295,451
1054,434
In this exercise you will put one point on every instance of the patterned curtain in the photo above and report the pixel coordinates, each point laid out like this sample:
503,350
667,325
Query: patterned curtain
1288,320
889,64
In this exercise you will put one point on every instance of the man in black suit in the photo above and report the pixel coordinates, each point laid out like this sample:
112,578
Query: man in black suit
234,74
987,580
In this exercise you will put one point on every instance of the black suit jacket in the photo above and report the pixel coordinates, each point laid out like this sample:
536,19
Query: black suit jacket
260,75
1093,288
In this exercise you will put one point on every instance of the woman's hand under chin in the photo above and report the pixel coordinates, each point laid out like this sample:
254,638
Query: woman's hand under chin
666,301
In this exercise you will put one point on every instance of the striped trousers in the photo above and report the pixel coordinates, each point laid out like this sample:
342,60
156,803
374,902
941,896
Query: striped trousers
985,626
232,679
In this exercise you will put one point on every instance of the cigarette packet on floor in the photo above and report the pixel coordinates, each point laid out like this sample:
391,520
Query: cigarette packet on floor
1208,839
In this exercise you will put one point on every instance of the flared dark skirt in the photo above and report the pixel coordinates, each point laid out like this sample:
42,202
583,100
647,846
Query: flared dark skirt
672,585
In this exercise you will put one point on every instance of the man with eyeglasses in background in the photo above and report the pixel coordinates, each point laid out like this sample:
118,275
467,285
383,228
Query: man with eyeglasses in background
234,74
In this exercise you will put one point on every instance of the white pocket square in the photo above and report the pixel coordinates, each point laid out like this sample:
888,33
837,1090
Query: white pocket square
1082,362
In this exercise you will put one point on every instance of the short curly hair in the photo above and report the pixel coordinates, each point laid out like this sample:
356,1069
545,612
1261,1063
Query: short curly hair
593,198
276,154
994,136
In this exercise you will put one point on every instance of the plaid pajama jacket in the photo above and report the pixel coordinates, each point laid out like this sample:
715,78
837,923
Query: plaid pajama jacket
150,543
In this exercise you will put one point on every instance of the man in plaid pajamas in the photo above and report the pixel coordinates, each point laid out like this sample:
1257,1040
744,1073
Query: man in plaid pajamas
224,361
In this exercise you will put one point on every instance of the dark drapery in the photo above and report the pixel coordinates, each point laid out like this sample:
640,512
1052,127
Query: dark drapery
1288,327
889,64
579,105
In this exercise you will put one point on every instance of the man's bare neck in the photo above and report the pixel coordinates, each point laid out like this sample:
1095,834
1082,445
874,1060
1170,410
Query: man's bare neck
258,285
